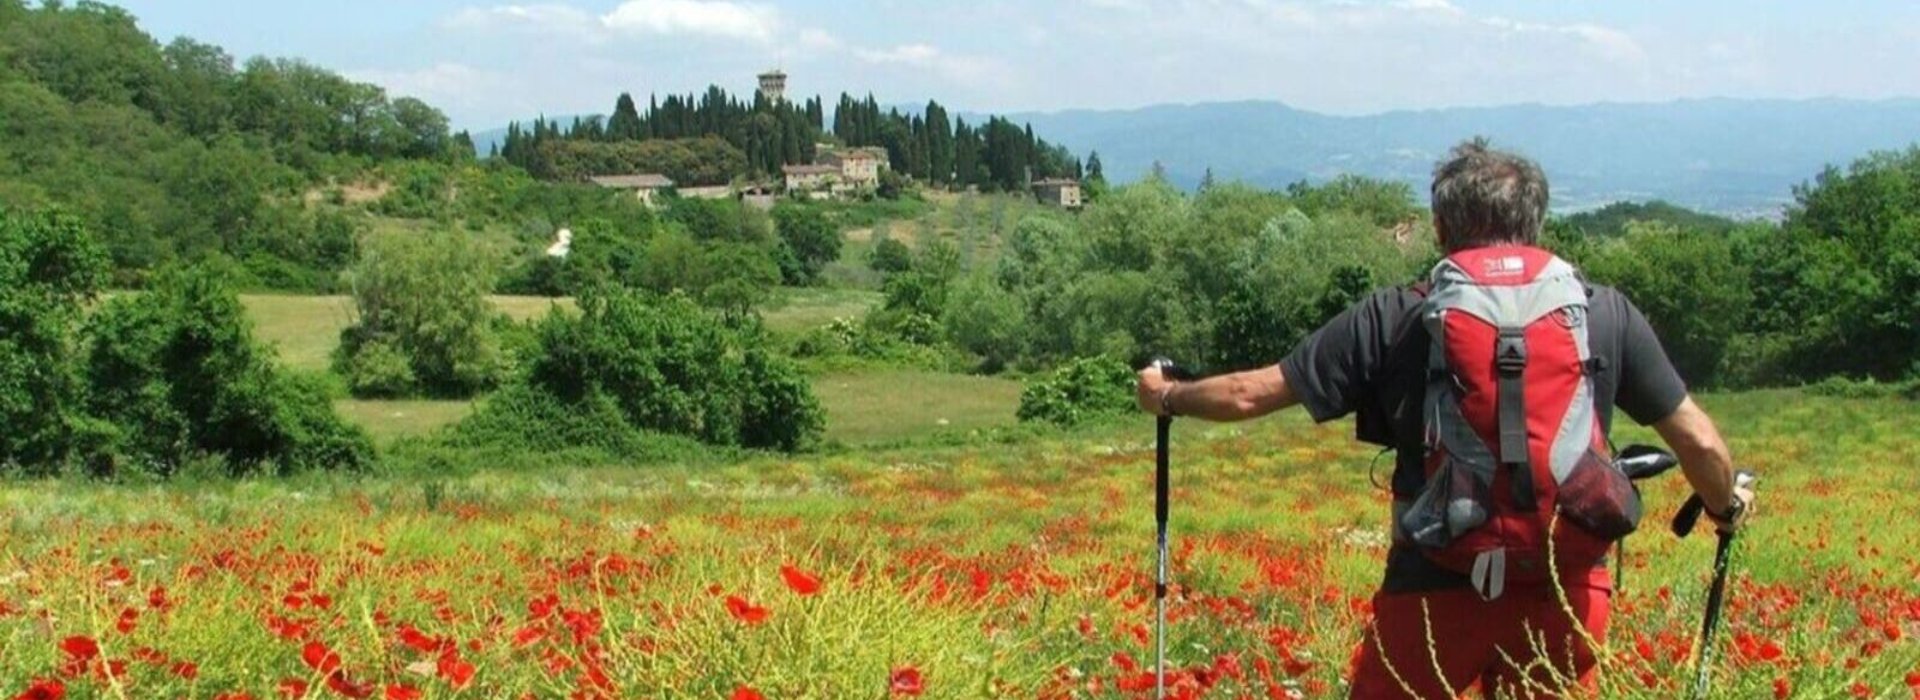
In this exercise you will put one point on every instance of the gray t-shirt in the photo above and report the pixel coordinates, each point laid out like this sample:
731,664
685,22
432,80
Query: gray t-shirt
1371,362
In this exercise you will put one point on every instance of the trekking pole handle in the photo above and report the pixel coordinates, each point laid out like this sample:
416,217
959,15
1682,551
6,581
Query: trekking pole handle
1690,512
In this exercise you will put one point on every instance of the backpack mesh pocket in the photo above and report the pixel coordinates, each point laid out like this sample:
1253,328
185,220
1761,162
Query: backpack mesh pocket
1451,504
1600,499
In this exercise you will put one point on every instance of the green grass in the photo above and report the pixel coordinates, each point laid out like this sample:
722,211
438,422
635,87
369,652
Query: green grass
388,420
797,309
899,404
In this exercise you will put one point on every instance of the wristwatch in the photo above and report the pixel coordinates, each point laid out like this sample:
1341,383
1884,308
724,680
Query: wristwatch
1735,507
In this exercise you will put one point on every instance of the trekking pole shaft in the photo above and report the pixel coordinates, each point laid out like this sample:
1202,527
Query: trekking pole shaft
1160,478
1716,595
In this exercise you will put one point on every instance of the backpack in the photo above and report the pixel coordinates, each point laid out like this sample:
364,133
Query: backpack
1516,463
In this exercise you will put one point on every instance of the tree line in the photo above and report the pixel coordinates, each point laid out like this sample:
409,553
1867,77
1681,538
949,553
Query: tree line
760,136
1234,276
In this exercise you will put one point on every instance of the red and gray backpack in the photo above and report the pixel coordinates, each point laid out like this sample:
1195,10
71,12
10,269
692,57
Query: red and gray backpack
1517,465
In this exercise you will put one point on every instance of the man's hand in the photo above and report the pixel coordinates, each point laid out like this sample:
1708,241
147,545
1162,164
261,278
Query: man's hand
1744,492
1152,389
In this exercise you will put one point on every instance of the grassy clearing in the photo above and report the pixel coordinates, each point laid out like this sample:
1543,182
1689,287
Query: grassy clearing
899,404
796,309
306,328
1015,570
388,420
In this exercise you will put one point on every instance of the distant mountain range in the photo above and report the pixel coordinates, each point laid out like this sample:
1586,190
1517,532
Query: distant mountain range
1735,157
1728,156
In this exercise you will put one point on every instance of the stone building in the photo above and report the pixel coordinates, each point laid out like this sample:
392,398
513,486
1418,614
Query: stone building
1059,192
859,167
645,186
818,181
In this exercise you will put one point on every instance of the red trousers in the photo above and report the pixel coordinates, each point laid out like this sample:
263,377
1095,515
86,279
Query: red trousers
1478,642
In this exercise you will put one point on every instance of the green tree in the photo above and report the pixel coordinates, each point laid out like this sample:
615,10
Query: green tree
1688,285
178,374
983,319
809,236
50,268
625,122
1843,279
425,297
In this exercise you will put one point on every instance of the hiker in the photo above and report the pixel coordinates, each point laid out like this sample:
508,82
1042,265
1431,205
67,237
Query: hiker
1507,452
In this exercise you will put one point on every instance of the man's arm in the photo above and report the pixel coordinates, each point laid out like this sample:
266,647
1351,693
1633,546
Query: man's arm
1703,457
1227,397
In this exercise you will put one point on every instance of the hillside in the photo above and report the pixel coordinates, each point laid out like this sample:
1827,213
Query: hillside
1737,157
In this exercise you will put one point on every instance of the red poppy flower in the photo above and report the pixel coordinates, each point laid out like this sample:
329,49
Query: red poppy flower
746,693
745,611
528,636
293,688
402,692
417,640
186,670
455,671
801,582
339,683
905,681
319,658
80,648
43,689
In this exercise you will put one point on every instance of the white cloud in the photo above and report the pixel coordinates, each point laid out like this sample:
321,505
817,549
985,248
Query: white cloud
972,71
433,83
910,54
819,40
704,17
709,18
547,17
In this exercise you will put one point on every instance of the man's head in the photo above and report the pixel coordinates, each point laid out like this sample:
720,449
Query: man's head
1483,197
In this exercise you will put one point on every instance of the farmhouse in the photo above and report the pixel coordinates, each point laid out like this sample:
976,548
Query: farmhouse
859,167
643,185
818,181
1059,192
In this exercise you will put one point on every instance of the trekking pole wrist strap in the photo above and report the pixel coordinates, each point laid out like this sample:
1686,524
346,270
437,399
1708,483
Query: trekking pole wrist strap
1166,400
1735,507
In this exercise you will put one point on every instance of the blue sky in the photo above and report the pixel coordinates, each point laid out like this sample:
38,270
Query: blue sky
486,62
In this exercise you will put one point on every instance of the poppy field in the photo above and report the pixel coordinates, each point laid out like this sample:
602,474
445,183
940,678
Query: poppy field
993,570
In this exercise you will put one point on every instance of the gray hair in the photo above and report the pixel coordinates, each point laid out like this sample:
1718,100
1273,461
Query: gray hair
1483,196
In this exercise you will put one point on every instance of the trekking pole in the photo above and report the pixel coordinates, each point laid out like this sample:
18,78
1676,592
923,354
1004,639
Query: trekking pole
1683,523
1163,426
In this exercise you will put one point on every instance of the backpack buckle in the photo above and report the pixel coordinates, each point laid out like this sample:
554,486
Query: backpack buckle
1510,356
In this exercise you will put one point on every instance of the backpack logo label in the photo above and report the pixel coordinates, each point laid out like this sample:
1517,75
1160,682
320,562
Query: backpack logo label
1506,266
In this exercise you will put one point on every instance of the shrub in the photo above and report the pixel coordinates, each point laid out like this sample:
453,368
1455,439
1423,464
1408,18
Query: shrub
663,365
810,239
49,268
1078,391
983,319
890,256
379,369
177,371
424,297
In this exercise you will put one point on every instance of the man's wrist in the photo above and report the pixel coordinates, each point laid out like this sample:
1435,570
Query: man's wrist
1166,400
1735,507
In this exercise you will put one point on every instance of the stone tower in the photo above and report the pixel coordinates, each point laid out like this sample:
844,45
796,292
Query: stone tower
773,84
